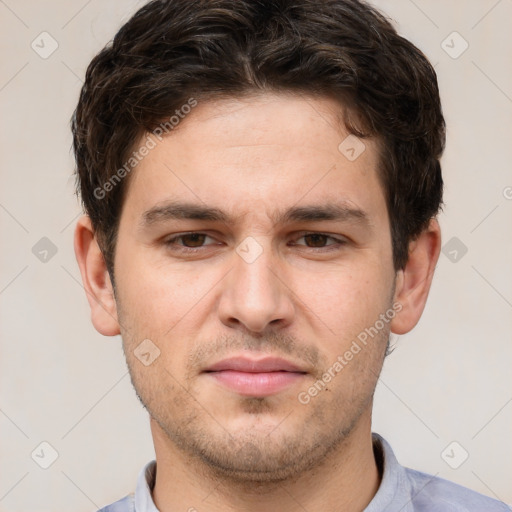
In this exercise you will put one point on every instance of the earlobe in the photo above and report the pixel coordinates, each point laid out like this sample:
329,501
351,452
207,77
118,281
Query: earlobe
413,282
95,279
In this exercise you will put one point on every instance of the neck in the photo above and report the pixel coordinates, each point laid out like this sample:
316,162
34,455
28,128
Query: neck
347,480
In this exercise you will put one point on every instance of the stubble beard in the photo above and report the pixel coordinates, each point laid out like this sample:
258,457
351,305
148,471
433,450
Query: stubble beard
253,460
256,460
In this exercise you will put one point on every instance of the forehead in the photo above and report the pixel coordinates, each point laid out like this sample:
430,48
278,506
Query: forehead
259,154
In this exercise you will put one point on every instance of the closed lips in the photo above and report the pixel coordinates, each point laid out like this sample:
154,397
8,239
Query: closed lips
244,364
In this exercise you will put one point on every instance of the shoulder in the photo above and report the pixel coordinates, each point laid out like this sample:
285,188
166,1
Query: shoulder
127,504
439,495
141,499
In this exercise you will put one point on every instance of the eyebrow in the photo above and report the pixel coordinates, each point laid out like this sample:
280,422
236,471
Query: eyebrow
178,210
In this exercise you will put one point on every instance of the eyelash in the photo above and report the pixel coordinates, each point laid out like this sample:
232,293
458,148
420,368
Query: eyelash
170,242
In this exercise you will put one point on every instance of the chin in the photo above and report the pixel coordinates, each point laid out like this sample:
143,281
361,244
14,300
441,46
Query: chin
256,449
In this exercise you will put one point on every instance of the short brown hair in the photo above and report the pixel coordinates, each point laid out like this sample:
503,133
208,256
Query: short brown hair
173,50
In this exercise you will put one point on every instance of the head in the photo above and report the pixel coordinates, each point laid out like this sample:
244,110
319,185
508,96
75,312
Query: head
299,142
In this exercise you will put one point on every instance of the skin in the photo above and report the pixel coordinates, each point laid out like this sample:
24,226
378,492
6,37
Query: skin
303,298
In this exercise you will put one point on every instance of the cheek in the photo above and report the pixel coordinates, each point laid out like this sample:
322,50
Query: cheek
157,296
344,300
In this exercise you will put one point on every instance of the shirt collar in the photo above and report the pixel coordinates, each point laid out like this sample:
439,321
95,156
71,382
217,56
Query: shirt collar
393,491
145,484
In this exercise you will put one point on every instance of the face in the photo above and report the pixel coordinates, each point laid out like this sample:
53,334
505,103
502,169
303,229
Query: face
252,253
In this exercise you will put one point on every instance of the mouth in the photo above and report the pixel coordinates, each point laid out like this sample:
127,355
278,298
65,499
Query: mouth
256,377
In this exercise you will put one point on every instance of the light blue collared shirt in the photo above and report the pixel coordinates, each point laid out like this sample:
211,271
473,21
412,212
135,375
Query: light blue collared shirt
401,490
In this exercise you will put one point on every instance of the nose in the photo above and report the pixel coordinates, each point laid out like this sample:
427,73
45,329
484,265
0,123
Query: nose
255,294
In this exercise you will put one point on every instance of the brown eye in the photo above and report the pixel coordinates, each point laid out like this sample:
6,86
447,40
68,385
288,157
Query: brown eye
193,239
188,242
316,240
320,241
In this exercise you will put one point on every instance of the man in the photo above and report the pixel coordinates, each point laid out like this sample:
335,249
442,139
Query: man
261,180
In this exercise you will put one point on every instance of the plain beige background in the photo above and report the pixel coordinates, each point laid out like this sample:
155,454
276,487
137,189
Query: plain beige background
64,384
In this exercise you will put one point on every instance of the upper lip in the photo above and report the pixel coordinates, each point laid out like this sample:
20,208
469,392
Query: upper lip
251,365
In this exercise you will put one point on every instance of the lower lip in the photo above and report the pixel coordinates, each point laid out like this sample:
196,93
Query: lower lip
256,384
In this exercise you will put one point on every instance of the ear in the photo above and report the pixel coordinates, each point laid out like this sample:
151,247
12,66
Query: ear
96,279
413,282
